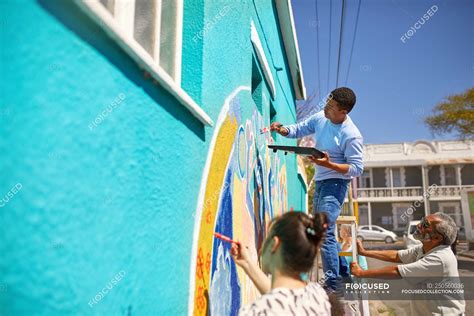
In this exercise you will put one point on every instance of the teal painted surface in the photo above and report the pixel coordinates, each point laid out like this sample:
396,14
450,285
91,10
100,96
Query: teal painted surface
119,198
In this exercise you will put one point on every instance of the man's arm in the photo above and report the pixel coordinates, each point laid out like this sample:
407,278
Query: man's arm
354,156
279,128
326,162
384,255
390,272
301,129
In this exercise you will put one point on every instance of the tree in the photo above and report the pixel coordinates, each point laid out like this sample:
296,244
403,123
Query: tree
309,167
455,114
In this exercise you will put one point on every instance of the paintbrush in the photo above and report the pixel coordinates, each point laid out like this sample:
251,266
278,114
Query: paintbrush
264,130
227,239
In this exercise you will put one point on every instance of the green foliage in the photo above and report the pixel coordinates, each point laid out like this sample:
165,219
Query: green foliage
309,167
455,114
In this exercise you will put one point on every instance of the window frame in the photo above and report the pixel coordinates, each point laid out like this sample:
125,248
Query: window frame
124,38
456,215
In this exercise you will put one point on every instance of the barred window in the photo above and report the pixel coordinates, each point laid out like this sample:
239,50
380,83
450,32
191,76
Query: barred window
151,32
154,24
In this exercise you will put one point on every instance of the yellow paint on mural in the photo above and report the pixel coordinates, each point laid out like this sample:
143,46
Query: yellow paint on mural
220,157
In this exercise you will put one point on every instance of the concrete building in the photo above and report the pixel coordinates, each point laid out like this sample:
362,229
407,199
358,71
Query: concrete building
405,181
130,132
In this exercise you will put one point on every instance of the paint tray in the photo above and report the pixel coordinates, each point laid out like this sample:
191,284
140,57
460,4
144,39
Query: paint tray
305,151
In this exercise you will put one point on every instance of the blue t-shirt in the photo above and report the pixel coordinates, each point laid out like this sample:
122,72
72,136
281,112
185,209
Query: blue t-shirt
343,142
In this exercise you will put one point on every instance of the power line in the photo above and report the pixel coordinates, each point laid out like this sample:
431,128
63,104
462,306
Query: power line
329,53
317,47
353,42
340,42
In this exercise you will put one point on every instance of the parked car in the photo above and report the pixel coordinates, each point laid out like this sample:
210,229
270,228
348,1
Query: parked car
408,236
374,232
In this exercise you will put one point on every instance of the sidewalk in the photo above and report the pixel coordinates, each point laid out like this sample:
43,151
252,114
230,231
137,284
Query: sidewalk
462,250
467,253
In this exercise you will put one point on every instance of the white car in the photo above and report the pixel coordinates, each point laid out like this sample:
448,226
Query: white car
374,232
411,242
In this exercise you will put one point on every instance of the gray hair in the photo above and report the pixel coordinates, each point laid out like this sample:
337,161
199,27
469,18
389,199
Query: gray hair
447,228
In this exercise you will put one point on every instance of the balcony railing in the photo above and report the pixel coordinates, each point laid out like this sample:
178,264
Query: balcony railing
389,192
449,190
440,191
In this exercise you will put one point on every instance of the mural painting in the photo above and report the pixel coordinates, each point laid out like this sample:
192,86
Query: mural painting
243,187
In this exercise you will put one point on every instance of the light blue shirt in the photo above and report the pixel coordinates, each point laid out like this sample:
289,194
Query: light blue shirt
361,260
343,142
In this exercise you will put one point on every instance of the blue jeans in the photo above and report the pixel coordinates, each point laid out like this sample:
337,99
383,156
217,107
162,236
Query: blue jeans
329,196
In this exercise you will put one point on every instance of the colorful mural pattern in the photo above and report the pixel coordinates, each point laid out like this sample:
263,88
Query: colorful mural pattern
245,186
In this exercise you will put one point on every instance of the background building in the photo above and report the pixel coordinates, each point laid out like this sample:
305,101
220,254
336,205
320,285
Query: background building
405,181
130,132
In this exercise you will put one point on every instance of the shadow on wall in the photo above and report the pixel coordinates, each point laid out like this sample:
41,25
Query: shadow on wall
77,21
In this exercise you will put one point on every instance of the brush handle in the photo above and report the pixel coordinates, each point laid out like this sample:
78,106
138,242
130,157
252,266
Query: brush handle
225,238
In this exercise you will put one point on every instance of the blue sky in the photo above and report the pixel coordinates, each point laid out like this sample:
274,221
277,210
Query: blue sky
397,84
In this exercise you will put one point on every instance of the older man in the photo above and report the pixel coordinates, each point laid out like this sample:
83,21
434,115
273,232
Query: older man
432,259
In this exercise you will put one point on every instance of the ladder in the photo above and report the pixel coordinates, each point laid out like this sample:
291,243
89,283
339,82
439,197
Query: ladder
361,306
350,220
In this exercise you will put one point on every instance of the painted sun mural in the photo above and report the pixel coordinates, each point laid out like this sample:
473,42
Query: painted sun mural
243,187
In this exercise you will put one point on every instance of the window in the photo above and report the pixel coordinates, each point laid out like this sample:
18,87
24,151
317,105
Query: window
401,217
363,214
397,177
452,209
449,175
364,180
156,26
386,220
109,5
364,228
150,31
272,119
262,59
145,25
257,86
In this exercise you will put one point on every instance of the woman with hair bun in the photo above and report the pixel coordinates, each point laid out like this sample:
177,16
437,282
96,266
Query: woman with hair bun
287,254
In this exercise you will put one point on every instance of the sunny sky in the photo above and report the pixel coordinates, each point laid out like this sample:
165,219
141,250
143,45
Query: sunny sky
397,82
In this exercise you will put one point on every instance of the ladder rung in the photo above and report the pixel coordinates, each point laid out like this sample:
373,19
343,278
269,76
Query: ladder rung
345,253
346,219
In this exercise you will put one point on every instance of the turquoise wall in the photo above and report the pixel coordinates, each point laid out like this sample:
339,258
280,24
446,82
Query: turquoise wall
116,200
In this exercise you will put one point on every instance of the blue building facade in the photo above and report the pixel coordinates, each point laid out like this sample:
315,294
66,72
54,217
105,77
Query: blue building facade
130,132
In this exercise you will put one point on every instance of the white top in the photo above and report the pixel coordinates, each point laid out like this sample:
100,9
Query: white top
310,300
437,263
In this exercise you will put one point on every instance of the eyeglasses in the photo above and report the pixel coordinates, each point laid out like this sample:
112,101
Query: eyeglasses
424,222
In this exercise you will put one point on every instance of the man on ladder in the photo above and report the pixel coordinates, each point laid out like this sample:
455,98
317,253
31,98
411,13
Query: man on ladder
338,137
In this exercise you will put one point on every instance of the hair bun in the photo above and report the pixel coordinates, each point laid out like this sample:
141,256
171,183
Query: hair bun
317,227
